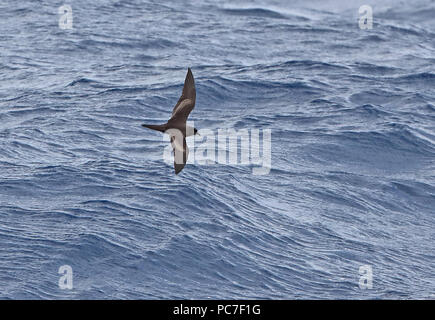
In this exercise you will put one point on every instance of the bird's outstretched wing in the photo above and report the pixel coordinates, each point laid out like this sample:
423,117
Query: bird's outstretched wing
186,103
181,152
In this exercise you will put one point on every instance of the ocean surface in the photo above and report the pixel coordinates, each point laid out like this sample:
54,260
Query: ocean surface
351,185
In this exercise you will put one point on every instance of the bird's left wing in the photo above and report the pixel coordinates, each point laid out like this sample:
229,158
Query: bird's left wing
186,103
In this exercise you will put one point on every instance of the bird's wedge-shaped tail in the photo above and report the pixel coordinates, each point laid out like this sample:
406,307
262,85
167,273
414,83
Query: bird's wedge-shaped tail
158,127
176,126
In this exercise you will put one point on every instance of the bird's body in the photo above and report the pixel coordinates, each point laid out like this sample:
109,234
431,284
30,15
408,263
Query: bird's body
176,126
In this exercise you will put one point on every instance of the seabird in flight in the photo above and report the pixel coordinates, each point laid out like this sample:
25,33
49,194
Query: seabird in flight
176,127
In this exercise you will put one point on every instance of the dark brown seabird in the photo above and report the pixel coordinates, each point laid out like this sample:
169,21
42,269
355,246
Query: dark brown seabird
176,127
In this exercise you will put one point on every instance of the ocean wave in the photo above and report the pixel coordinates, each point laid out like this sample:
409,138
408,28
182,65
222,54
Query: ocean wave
351,116
254,12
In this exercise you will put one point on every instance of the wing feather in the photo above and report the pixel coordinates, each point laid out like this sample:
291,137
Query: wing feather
181,153
186,103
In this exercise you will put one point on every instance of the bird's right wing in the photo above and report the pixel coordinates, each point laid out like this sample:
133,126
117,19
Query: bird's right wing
186,103
181,152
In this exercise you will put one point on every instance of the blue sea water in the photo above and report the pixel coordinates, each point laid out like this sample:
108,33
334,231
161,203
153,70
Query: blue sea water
352,180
